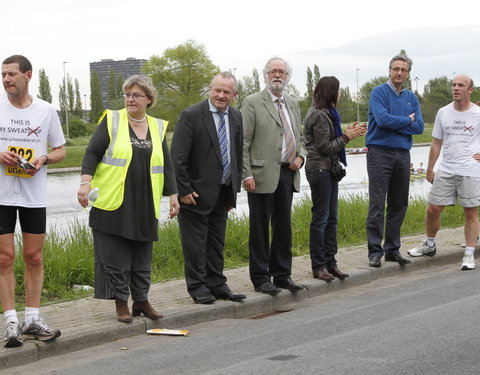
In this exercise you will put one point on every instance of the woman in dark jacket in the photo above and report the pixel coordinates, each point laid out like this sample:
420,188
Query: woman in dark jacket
325,143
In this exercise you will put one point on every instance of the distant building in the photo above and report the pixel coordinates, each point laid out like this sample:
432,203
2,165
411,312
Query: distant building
124,68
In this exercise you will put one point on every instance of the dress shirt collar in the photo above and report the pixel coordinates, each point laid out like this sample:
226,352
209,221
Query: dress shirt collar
392,86
275,97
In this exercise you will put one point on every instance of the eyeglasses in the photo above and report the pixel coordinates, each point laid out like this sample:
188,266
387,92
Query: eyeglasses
274,72
401,70
133,96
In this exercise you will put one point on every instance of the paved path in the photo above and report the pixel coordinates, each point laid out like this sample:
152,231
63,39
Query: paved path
89,322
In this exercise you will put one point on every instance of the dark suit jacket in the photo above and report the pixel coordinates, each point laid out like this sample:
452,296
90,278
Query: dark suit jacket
196,157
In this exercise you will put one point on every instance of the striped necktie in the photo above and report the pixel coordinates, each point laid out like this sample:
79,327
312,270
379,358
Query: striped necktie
222,139
290,149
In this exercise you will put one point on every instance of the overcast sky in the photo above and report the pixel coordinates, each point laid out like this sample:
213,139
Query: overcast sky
339,36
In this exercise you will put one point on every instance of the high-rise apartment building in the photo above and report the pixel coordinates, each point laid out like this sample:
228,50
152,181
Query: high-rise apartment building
124,68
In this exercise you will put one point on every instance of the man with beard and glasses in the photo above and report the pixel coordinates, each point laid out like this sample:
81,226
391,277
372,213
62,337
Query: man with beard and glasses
273,154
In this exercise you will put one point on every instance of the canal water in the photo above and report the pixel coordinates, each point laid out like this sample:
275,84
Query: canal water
63,208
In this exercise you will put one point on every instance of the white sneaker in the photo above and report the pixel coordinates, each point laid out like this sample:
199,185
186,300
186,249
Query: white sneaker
422,250
468,262
13,335
40,331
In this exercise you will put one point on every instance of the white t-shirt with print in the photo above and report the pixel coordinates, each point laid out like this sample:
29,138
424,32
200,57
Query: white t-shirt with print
28,132
460,133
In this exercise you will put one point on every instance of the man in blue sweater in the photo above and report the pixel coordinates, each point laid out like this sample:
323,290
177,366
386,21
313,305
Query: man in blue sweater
393,116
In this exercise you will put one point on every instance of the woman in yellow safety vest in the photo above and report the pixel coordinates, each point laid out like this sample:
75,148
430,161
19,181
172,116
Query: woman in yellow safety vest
127,159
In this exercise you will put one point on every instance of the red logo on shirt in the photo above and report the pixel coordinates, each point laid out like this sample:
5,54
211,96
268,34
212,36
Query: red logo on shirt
35,131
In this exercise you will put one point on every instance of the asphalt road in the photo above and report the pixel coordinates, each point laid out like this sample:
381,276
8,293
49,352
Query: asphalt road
424,322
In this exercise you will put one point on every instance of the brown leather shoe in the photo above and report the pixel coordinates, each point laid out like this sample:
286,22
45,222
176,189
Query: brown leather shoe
337,273
123,315
323,274
146,309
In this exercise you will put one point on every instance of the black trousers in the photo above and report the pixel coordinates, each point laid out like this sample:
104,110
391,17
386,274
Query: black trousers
389,179
203,241
323,227
273,259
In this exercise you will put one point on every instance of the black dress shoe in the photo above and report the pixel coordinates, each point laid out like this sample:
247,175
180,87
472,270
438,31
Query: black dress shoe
204,299
323,274
375,262
267,288
230,296
337,273
288,284
397,258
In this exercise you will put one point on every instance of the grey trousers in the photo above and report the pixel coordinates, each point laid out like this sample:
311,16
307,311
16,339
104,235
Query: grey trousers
122,267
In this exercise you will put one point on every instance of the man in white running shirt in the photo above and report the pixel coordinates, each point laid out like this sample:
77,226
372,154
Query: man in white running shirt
457,128
28,126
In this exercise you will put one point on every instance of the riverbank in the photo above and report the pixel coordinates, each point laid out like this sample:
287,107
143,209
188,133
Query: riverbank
63,170
78,169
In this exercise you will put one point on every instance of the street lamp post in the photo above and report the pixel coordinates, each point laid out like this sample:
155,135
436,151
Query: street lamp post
65,98
416,84
85,97
358,104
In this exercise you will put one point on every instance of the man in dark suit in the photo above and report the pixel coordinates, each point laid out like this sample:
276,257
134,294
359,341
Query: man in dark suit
207,156
273,154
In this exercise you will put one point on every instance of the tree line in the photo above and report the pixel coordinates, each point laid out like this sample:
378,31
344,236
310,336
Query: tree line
183,73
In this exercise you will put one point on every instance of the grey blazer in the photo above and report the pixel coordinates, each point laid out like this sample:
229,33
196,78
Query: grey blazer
262,140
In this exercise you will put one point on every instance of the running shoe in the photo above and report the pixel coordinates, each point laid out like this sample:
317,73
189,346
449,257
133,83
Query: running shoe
39,330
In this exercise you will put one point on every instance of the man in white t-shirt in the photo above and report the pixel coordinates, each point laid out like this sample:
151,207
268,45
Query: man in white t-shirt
457,128
28,126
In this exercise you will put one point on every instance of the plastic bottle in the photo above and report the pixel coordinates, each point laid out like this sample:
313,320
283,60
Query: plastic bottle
82,287
93,195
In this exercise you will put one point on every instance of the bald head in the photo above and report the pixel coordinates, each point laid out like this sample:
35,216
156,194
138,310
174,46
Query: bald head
462,88
465,79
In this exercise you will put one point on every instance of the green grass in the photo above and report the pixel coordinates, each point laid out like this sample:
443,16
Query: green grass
73,159
426,137
78,141
352,215
69,259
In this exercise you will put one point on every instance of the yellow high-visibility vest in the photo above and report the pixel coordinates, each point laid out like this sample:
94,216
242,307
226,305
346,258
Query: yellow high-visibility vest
111,172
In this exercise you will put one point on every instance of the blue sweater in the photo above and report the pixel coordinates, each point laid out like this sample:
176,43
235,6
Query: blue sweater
388,123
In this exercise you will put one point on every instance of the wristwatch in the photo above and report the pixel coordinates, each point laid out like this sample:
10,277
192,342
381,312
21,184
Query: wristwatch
46,159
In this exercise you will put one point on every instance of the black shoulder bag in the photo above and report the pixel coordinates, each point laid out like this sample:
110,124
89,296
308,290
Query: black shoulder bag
338,172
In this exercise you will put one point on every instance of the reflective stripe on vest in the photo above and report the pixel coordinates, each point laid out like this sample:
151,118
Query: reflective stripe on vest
108,157
158,168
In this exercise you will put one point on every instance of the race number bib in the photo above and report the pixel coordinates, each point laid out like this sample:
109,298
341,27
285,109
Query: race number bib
26,153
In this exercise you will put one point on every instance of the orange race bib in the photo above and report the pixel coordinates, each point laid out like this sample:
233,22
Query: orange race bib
27,153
